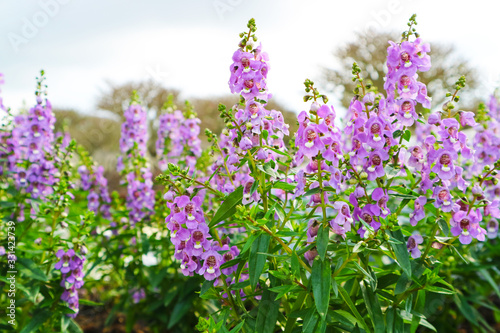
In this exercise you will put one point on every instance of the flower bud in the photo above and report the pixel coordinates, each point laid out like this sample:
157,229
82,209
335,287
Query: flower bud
314,106
477,191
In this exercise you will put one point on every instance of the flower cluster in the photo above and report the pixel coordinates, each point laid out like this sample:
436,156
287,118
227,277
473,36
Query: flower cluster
132,164
33,141
252,125
177,136
71,266
190,235
229,162
404,90
93,180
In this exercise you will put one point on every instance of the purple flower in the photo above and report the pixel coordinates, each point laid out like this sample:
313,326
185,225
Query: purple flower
444,163
492,208
406,113
375,166
369,214
333,152
231,253
465,226
211,265
375,130
189,211
177,232
412,245
312,230
435,119
76,277
198,241
311,143
188,264
70,296
310,255
381,197
419,213
344,213
137,295
467,119
416,157
71,267
249,197
65,263
444,200
492,228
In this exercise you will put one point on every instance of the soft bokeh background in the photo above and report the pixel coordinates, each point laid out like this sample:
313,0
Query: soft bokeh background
96,52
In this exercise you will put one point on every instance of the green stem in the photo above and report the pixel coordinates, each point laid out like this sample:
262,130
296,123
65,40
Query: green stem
428,248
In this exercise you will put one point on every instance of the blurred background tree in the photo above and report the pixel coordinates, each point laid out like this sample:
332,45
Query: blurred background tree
369,51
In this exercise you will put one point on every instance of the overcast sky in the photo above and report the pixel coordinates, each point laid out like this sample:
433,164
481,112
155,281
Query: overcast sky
188,44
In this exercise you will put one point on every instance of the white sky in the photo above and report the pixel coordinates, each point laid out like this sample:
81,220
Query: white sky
188,44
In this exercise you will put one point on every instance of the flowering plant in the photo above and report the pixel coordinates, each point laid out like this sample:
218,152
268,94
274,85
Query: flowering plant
379,219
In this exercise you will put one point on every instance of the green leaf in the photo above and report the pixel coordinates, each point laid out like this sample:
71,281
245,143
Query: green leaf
390,316
282,290
312,191
401,251
403,284
322,241
38,319
248,243
90,303
73,327
228,207
180,309
277,151
459,254
320,278
443,225
439,290
363,271
238,327
208,291
310,321
257,259
266,168
32,269
335,288
284,186
351,306
267,313
373,307
397,133
407,135
487,276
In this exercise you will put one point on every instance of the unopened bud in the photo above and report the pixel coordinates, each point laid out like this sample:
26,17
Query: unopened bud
314,106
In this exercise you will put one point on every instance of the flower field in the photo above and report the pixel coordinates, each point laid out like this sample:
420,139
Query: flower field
383,218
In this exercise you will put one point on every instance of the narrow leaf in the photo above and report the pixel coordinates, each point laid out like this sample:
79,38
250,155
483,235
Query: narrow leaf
257,259
320,278
228,207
